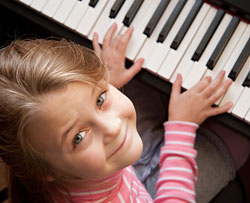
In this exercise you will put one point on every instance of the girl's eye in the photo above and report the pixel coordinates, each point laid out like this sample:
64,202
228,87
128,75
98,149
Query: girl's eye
79,137
101,99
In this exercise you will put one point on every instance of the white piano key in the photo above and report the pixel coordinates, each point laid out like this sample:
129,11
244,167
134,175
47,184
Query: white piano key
247,117
135,43
103,28
174,56
146,51
103,23
124,9
186,63
162,49
236,88
242,106
150,44
90,18
168,65
51,7
199,68
27,2
121,15
139,23
38,4
118,20
195,74
141,20
77,14
183,68
64,10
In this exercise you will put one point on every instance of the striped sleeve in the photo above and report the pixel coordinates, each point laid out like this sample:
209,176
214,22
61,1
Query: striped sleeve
178,173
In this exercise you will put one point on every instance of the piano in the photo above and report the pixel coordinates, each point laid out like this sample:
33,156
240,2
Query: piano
192,37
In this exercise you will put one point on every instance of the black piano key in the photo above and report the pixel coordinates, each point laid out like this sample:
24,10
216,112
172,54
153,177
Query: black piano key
156,17
185,26
93,3
246,83
132,12
206,38
171,20
222,43
116,8
240,61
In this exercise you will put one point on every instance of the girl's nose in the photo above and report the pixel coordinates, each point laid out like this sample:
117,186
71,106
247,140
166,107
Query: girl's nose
111,128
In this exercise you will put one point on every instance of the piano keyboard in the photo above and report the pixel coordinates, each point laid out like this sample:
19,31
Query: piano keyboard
174,36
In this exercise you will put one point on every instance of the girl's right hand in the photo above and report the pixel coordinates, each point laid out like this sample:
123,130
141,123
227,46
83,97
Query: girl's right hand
113,52
195,104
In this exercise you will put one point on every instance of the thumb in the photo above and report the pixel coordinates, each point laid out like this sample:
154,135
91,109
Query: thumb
135,68
131,72
96,45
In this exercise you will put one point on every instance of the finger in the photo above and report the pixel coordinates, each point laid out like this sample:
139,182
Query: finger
116,42
176,88
121,46
109,35
202,84
134,69
215,84
96,44
220,92
221,109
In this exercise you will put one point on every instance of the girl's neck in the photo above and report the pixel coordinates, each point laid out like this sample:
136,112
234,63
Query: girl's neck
93,190
88,185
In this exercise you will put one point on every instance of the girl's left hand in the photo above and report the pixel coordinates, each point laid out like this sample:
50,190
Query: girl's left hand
113,53
195,104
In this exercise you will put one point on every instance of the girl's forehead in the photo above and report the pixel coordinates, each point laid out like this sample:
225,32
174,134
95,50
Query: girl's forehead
66,89
69,101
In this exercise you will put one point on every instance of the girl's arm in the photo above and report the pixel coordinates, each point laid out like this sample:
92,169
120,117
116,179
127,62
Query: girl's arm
178,174
178,169
113,52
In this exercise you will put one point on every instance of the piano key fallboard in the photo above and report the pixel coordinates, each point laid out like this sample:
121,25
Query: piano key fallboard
191,37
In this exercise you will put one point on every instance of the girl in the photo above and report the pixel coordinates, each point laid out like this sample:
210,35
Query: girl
68,135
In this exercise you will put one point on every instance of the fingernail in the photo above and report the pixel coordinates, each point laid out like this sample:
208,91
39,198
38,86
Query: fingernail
230,81
208,78
178,76
130,28
223,72
231,104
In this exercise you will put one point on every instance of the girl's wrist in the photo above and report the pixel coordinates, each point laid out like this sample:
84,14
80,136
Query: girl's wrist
181,122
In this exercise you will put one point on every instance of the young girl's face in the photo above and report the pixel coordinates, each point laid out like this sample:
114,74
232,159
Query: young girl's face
87,132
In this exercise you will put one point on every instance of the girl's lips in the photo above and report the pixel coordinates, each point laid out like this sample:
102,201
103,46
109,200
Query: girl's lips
123,142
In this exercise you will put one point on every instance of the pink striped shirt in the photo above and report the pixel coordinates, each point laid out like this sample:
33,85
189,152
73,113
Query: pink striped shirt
177,177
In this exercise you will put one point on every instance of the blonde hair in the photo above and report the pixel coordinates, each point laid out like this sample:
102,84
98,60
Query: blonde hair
28,70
